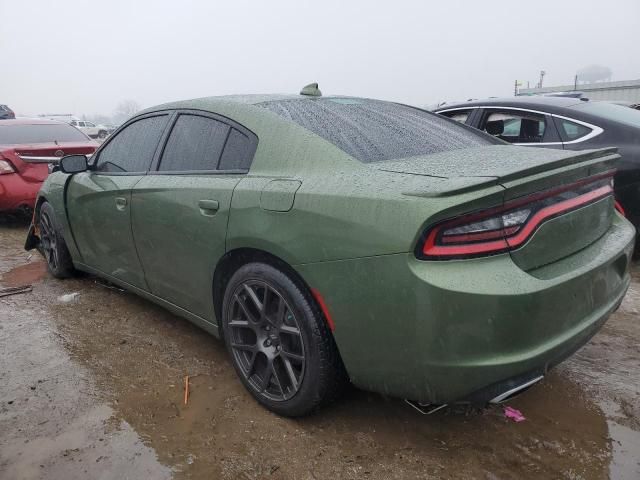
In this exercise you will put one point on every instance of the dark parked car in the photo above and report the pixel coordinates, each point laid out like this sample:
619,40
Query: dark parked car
568,123
6,112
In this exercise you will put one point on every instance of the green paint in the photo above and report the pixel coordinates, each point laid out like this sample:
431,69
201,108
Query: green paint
429,331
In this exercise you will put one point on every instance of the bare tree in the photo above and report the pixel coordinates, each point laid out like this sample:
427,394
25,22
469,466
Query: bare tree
125,110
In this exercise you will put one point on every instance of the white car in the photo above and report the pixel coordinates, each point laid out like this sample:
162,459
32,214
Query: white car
90,128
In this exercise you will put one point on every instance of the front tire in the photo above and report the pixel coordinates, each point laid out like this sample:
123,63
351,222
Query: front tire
52,244
279,342
102,135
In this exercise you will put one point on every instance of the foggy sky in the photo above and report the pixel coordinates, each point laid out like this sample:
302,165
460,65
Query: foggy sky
83,57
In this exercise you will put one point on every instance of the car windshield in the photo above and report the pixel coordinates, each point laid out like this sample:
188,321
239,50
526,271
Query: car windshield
611,111
39,133
373,131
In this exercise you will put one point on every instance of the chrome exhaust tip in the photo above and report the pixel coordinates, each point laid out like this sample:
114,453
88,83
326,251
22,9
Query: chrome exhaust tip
426,408
512,392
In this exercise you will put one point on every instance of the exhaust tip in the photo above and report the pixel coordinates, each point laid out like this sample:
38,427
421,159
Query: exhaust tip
513,392
426,408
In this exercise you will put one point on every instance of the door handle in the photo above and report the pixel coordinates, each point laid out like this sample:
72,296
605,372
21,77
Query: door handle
121,203
208,207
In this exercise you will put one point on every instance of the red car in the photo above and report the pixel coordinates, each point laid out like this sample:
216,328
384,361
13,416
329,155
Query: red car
27,148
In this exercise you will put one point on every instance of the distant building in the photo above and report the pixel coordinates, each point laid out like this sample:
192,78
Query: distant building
622,91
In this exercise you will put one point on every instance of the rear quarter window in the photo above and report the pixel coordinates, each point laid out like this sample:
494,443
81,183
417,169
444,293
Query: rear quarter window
374,130
572,131
238,152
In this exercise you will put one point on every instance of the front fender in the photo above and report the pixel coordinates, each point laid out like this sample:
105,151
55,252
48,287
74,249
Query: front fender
53,191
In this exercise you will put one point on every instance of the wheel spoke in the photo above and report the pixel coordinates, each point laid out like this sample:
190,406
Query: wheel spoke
282,308
54,257
239,324
266,379
254,298
252,364
265,297
292,356
290,372
290,330
245,310
277,378
243,346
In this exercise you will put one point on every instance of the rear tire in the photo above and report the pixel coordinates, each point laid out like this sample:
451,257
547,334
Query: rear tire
52,244
279,342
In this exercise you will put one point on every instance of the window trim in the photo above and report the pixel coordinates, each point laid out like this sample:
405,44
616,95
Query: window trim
96,155
455,110
253,138
595,130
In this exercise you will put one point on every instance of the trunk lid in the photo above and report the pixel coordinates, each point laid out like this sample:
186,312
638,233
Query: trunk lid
32,161
562,177
51,152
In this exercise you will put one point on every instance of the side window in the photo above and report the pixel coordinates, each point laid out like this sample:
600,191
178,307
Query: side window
89,124
133,148
571,131
515,127
238,152
458,115
195,143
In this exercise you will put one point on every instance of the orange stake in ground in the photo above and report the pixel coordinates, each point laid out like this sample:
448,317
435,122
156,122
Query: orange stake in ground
186,389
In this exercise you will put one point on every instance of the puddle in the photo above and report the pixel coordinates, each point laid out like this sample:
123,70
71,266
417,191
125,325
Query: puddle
94,388
223,433
27,274
54,422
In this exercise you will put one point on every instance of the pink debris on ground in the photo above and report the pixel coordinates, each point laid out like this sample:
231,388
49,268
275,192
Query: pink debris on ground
513,414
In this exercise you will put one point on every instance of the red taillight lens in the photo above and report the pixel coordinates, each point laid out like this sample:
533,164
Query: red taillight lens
6,167
501,229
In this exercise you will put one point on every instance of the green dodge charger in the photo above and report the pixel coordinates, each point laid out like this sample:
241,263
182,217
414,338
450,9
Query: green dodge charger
330,240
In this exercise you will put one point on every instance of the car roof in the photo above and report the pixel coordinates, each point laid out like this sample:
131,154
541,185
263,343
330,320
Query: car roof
237,102
29,121
531,102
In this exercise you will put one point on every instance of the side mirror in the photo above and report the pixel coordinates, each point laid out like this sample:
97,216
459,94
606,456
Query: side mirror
74,164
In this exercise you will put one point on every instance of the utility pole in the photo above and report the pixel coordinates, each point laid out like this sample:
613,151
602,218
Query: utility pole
542,74
575,82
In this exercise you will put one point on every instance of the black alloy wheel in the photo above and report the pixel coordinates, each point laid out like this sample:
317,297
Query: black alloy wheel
266,341
52,244
280,344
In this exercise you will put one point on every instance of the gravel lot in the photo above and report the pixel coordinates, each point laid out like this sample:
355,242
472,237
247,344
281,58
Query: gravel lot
92,387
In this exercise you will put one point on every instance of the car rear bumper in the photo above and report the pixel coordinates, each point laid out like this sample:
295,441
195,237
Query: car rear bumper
16,193
438,332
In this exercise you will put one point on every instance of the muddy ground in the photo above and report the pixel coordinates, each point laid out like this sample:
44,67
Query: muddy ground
91,386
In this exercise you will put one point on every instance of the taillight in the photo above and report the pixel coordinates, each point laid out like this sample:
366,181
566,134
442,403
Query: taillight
6,167
501,229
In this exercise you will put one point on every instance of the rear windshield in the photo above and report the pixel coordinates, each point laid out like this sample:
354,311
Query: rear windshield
47,133
611,111
373,130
